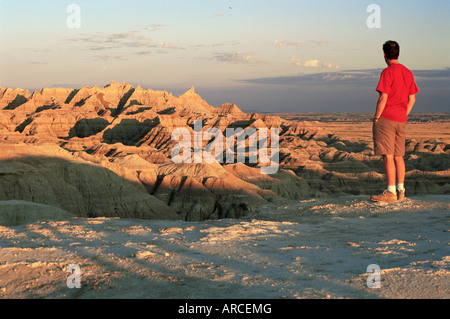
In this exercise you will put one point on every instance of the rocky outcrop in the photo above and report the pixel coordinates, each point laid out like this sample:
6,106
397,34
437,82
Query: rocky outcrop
17,212
12,98
231,109
107,151
50,176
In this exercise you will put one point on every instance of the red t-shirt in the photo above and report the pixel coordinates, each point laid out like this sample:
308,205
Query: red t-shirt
398,83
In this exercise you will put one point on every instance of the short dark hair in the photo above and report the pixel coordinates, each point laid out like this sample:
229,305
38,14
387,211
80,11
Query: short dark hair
391,49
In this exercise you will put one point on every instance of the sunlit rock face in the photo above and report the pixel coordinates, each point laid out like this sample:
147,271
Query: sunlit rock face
108,151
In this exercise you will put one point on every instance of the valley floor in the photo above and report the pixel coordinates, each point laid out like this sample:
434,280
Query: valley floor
318,248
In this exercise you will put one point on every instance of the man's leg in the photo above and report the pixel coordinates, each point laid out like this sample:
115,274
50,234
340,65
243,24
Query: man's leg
384,142
400,139
400,169
390,194
390,169
400,173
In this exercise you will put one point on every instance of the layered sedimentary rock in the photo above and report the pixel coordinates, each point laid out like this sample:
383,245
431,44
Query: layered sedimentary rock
17,212
52,176
108,151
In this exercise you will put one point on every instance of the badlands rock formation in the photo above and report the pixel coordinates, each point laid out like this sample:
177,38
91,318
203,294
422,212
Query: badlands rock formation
17,212
108,152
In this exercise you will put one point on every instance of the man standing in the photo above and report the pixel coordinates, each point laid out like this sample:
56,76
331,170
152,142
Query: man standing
397,90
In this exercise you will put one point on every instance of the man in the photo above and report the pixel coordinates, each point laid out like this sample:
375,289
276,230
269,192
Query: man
397,90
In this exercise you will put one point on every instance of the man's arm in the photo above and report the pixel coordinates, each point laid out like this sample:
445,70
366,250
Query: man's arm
411,101
381,103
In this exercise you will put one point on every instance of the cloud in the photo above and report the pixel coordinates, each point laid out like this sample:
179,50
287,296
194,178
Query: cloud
104,41
168,45
313,63
102,47
443,74
110,57
306,64
310,43
147,52
353,77
215,44
287,43
356,78
319,43
328,65
433,78
107,41
152,27
239,58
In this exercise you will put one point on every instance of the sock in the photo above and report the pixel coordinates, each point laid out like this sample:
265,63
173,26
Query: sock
392,189
401,187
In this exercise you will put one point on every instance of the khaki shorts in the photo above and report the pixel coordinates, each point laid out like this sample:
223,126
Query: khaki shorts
389,137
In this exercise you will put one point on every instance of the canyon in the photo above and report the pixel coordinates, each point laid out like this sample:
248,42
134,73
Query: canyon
107,152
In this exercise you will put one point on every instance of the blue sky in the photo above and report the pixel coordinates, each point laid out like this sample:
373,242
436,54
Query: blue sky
291,56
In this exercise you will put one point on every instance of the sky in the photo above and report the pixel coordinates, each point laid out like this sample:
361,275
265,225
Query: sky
264,56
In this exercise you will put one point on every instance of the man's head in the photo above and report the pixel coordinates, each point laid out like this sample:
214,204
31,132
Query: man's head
391,50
